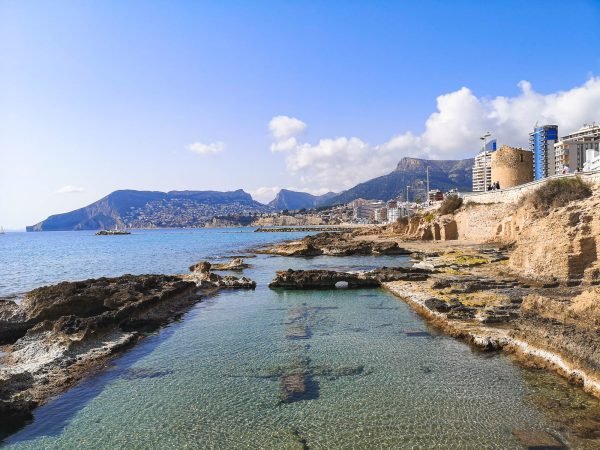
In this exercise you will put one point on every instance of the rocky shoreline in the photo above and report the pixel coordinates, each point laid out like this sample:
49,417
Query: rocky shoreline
471,292
334,244
57,335
304,229
491,291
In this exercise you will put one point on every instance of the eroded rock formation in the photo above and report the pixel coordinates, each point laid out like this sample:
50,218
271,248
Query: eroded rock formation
204,278
335,244
329,279
59,333
236,264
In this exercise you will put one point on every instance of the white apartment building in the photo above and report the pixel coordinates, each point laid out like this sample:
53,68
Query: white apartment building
365,209
482,171
393,214
579,150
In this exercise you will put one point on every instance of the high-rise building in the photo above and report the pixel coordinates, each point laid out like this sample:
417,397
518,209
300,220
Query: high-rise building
541,144
482,171
482,167
579,150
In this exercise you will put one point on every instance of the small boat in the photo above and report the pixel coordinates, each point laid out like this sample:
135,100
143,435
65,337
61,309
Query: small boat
2,230
115,232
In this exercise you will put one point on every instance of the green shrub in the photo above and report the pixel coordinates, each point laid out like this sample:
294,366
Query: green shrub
450,204
557,193
402,221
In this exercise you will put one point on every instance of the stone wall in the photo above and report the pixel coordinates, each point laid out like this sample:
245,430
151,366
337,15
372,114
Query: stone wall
512,195
512,166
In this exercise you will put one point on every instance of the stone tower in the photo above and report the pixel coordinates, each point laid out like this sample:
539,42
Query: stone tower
512,166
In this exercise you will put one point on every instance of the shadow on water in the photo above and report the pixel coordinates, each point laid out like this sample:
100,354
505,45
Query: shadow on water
63,408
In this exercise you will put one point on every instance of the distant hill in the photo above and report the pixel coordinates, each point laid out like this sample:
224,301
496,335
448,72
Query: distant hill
148,209
291,200
412,172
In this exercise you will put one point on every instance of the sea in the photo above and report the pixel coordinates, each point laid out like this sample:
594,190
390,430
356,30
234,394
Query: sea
377,375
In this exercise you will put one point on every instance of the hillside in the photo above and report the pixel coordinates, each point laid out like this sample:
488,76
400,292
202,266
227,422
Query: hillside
149,209
412,172
291,200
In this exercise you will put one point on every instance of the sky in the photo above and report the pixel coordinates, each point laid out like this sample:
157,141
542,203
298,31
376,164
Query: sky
317,96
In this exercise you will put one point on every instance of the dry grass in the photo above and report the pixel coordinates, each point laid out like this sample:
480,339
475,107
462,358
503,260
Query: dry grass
557,193
450,204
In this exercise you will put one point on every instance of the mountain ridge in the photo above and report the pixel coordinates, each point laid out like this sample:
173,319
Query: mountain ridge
294,200
147,209
412,172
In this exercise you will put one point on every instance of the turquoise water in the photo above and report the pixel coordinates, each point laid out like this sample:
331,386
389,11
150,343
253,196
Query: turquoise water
377,376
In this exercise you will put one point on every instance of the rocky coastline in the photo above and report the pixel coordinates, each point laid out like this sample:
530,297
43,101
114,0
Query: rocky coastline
304,229
335,244
521,277
57,335
490,286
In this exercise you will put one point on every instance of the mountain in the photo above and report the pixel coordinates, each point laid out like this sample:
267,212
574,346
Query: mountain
148,209
286,199
412,172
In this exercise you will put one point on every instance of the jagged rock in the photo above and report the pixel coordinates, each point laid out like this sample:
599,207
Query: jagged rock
327,279
79,324
13,322
204,278
438,305
335,244
202,267
234,264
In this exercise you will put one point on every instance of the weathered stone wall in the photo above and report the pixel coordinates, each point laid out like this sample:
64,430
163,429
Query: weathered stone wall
512,195
564,245
512,166
479,223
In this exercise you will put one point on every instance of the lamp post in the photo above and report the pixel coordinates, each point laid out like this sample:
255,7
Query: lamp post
484,139
428,185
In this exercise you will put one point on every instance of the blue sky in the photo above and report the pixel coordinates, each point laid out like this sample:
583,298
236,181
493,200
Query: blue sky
103,95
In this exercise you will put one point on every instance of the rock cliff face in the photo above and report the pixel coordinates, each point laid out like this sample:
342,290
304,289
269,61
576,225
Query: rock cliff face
561,246
292,200
444,175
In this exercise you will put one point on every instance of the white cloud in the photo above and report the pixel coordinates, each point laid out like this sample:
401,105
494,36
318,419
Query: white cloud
284,145
284,127
206,149
450,132
264,194
70,189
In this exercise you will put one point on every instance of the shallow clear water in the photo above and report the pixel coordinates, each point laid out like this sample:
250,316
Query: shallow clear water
377,375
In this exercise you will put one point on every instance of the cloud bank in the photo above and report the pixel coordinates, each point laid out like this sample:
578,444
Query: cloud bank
450,132
206,149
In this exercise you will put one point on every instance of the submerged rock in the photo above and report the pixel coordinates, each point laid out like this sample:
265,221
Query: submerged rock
536,439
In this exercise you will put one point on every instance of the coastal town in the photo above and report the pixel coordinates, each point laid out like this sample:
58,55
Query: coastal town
300,225
494,169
